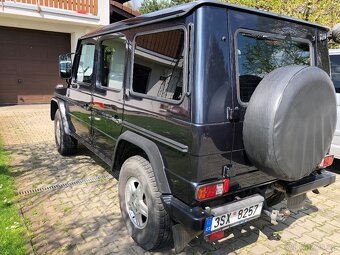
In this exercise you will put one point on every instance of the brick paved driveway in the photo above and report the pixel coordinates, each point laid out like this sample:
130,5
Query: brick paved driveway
84,218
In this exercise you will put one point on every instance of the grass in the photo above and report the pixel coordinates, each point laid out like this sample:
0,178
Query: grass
12,231
306,247
66,209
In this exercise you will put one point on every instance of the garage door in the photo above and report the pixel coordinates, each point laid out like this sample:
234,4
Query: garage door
29,64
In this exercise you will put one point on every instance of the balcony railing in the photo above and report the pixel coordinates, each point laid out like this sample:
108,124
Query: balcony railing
79,6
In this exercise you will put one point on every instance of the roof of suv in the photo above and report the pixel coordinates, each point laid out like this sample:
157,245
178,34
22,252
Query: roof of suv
181,10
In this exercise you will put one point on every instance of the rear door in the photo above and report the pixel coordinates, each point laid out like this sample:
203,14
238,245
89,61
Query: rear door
80,89
107,96
259,45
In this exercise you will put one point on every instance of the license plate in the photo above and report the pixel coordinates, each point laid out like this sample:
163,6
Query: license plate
232,218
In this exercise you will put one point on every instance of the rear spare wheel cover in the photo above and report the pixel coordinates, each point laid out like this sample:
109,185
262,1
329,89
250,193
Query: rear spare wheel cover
290,121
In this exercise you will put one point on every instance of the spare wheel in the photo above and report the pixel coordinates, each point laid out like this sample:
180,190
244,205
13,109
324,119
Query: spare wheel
290,121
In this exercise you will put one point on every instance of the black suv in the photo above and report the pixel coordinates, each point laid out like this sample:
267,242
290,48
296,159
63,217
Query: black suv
207,113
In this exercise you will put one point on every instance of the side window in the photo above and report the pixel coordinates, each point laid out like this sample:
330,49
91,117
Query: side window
335,71
86,64
259,54
113,63
159,60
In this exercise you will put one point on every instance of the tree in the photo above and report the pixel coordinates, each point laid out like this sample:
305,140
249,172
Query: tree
154,5
325,12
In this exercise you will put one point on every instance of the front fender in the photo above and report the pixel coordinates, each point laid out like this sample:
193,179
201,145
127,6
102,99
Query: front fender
58,104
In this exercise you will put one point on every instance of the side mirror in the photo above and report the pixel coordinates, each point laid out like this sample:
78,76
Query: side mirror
336,33
65,66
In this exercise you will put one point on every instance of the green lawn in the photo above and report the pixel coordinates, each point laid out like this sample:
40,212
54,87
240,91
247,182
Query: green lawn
12,232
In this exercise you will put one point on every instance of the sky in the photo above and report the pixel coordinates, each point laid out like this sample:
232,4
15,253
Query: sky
136,3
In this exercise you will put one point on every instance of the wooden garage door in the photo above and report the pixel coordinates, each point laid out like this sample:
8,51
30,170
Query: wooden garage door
29,64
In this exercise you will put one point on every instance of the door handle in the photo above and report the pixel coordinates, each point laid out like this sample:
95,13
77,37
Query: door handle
116,119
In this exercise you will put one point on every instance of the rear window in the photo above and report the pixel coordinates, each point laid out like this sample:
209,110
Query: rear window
259,54
335,71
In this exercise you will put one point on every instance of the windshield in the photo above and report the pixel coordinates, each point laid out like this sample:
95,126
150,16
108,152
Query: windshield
335,71
259,54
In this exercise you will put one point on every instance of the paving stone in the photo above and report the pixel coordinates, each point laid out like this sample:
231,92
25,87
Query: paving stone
335,237
85,219
328,228
317,234
259,249
306,239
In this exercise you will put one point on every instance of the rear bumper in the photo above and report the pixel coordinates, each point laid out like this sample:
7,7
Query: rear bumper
316,180
194,217
191,217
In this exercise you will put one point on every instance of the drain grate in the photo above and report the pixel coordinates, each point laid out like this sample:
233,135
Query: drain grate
66,184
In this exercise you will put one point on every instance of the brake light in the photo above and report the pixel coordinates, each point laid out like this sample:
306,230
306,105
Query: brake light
216,236
212,190
326,161
226,185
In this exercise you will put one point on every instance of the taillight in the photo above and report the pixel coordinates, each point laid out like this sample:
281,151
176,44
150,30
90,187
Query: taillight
327,161
211,190
215,236
226,185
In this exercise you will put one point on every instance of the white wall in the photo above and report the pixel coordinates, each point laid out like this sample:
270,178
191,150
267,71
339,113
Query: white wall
55,20
48,13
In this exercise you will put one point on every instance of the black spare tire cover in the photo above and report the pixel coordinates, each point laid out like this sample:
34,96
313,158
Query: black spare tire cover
290,121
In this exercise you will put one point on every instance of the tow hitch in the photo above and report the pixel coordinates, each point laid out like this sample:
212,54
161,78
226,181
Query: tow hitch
277,215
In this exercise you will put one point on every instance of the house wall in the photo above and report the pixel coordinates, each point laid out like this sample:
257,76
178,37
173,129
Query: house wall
31,39
53,19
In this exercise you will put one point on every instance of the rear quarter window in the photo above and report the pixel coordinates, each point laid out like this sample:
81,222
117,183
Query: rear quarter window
158,66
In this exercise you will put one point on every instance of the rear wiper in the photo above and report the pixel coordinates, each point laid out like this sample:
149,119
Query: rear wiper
260,37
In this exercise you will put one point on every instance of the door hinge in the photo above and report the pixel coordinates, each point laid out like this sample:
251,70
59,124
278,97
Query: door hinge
233,114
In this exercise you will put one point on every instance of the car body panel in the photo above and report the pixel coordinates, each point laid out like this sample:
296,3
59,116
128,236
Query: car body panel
195,136
335,75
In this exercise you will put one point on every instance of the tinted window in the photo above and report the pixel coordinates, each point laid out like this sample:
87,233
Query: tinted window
85,67
113,62
335,71
158,64
258,55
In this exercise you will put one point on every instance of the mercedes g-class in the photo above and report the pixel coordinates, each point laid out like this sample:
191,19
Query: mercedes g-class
207,113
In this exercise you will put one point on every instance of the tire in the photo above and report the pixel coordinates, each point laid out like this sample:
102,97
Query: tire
66,144
290,121
146,219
